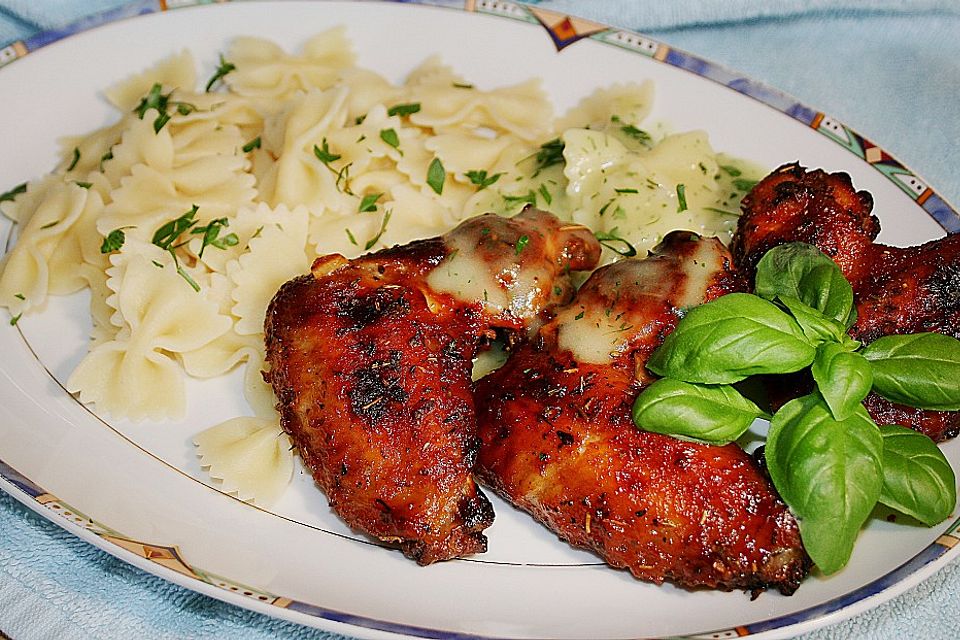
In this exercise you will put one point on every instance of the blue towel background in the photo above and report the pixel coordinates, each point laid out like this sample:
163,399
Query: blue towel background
890,69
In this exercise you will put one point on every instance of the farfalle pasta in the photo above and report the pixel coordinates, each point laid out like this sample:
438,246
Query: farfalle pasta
184,215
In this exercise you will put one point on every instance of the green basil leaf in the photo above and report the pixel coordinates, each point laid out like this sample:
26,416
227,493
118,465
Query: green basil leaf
802,271
817,327
710,414
828,472
843,378
436,175
917,478
729,339
919,370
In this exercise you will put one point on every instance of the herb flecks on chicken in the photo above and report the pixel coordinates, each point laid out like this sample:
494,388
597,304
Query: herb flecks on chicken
558,439
371,358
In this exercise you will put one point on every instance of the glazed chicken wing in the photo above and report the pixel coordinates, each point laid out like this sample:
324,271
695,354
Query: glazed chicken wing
370,360
558,439
898,290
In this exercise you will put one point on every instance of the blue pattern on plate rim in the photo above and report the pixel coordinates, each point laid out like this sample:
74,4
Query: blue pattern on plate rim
932,203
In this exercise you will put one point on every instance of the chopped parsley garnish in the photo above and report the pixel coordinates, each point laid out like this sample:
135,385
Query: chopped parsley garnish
113,241
369,202
639,135
436,175
224,68
550,153
403,109
390,137
546,194
11,195
107,156
731,170
343,176
350,237
615,243
579,316
529,198
324,155
383,227
15,319
186,276
211,235
50,224
521,244
461,85
160,102
743,184
253,144
83,185
481,179
19,296
169,233
681,197
626,191
76,159
155,99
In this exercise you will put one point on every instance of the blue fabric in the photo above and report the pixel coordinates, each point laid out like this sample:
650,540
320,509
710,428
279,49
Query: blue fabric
890,69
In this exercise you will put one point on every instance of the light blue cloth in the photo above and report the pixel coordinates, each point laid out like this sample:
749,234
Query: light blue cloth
886,68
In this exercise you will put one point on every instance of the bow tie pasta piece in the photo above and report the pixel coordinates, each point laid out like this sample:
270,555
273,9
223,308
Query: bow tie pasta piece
222,108
139,144
83,156
246,224
101,312
175,72
462,152
275,256
432,72
136,374
148,198
269,75
367,90
616,107
251,457
46,254
294,136
521,109
221,354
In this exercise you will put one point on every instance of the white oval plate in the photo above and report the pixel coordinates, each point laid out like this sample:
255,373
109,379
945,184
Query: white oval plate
137,491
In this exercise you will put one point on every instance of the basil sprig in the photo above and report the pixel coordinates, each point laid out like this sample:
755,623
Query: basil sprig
716,414
827,458
735,336
917,478
828,471
920,370
803,272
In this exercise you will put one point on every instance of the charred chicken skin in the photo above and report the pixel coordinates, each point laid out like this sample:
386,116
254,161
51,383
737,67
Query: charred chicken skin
898,290
558,439
370,360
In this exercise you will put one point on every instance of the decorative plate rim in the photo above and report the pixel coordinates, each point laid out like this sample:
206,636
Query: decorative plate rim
166,562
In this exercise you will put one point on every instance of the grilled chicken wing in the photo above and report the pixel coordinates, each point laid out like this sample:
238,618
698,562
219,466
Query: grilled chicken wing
898,290
558,440
370,360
